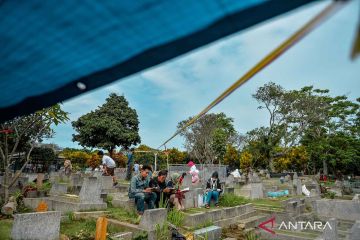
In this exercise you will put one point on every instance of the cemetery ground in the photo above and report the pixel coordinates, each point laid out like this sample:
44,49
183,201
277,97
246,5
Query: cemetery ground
77,202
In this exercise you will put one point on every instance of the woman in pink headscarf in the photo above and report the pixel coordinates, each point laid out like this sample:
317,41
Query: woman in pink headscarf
194,172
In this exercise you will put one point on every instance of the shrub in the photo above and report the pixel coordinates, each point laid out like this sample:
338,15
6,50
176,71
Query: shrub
231,200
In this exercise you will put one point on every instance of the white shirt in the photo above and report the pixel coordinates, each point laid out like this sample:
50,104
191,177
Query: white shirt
108,161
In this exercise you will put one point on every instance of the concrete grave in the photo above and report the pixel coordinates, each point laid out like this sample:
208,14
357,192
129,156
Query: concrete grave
209,233
287,178
151,217
39,226
230,181
355,231
58,189
187,182
340,209
91,191
106,182
331,233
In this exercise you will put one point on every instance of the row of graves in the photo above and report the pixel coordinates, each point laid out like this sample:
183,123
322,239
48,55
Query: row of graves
298,202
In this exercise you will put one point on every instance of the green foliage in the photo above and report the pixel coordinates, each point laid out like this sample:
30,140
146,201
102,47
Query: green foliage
43,154
123,215
329,195
162,231
252,236
232,157
112,124
326,126
71,216
45,187
176,217
79,158
207,138
109,200
231,200
5,229
205,224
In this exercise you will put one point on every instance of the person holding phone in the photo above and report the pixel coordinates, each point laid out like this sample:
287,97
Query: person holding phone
140,190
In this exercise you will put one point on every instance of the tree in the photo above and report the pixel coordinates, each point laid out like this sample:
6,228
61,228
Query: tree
23,133
308,117
78,157
114,124
44,154
232,157
207,138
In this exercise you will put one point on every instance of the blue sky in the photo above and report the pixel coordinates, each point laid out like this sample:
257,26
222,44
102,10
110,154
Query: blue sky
182,87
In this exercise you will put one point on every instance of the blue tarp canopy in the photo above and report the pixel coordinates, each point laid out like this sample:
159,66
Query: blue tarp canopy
50,50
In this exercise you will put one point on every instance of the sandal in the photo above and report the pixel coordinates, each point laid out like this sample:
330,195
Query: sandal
207,206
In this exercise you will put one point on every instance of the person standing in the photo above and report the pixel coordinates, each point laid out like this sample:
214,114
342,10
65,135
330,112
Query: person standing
136,168
139,190
109,166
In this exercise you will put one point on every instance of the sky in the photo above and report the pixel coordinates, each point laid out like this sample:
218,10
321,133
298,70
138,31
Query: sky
175,90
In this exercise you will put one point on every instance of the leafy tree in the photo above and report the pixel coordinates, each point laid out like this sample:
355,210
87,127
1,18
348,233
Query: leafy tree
232,157
246,161
78,158
43,154
295,159
207,138
111,125
22,134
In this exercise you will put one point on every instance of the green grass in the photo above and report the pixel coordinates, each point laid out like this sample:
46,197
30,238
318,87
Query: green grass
5,229
123,181
84,229
231,200
176,217
123,215
267,201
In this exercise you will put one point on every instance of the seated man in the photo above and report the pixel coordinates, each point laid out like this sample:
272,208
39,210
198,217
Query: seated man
140,190
160,184
213,189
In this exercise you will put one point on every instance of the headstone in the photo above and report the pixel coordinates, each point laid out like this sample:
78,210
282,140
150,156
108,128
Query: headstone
106,182
151,217
331,233
40,226
268,176
295,176
54,177
354,232
209,233
297,186
91,191
250,177
257,190
230,181
287,178
187,182
313,193
356,197
76,180
255,178
58,189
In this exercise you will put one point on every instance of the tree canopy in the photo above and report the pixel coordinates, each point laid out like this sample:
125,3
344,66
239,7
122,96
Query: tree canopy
114,124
